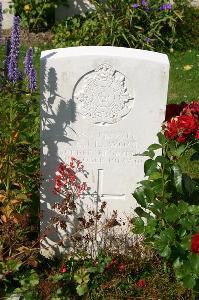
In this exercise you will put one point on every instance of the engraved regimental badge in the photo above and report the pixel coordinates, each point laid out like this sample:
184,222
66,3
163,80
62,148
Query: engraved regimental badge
103,95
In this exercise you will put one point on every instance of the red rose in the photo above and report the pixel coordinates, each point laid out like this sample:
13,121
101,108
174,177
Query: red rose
195,243
171,129
192,108
180,126
141,283
186,124
181,139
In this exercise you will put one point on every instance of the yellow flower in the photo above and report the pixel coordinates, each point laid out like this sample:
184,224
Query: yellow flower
187,67
27,7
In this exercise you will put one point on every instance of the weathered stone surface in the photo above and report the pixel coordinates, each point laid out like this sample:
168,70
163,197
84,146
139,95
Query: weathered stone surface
101,105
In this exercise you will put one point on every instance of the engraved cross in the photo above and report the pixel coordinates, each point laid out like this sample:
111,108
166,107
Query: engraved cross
101,196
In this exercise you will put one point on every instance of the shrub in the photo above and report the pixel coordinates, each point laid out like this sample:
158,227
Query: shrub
36,14
187,32
143,24
168,211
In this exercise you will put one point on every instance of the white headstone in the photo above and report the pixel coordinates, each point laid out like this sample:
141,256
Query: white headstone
101,105
7,17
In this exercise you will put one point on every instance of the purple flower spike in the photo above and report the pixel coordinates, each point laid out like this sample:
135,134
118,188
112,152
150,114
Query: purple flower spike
135,5
14,51
32,80
30,70
28,62
166,6
1,19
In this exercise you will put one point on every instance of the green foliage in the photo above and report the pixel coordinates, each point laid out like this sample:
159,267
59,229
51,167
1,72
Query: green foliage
118,23
167,213
28,284
187,32
36,14
81,277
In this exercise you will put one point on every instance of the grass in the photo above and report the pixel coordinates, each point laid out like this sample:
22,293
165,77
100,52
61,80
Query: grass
183,84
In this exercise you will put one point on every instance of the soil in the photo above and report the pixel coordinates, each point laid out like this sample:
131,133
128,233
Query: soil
31,38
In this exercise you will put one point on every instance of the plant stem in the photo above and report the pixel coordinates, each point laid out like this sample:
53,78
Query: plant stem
8,175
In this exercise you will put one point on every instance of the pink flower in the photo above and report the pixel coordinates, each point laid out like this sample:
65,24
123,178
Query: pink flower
141,283
63,269
121,267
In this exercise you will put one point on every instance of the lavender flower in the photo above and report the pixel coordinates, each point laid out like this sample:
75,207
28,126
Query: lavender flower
135,5
166,6
28,62
30,70
1,19
32,80
14,51
148,40
144,3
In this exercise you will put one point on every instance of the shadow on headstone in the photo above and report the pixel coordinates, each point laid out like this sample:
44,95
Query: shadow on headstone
55,126
77,7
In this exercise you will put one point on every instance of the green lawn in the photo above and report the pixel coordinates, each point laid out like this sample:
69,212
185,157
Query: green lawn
184,84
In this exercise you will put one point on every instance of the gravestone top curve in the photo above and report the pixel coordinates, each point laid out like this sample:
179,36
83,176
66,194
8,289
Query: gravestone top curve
105,51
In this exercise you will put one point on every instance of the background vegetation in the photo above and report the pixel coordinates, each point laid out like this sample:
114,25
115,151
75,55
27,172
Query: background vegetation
77,276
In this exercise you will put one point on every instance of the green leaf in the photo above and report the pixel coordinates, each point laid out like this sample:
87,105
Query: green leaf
149,166
14,265
171,213
155,175
149,194
166,252
186,242
154,147
161,138
177,176
179,150
150,228
188,183
140,212
194,262
82,289
140,196
138,225
182,207
177,263
189,281
194,209
161,159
